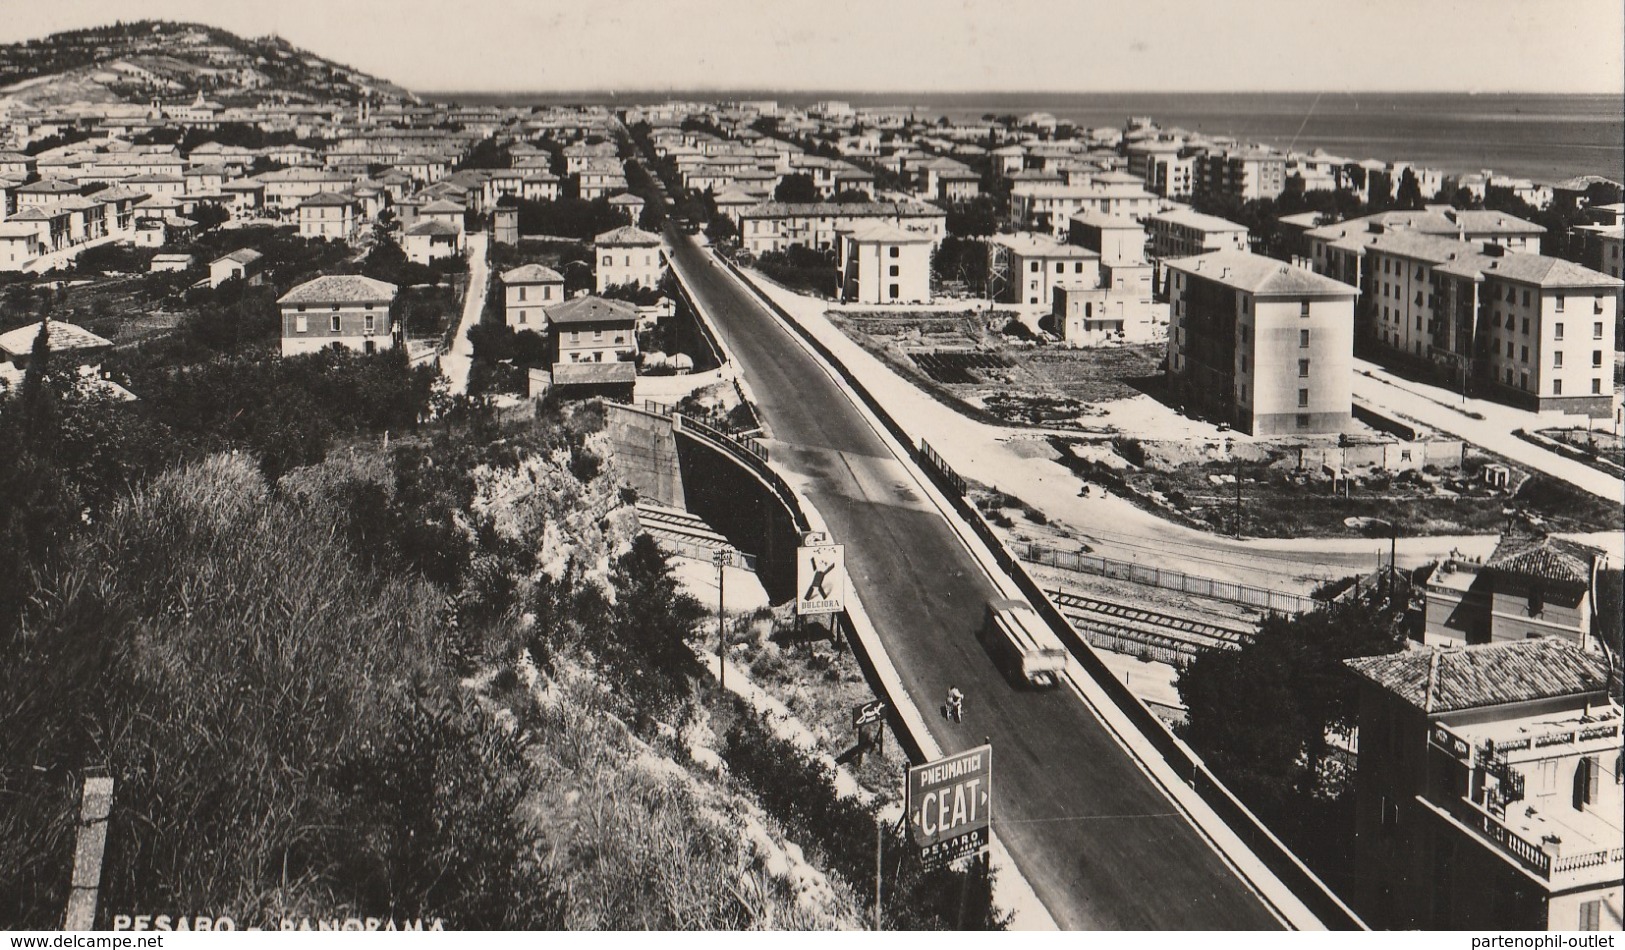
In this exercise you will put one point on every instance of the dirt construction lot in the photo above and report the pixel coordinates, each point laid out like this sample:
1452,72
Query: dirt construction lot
990,366
1258,490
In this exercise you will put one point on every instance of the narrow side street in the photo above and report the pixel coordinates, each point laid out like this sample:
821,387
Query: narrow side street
457,360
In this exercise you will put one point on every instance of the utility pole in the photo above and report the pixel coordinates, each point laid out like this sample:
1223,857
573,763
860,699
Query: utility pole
880,844
1393,550
1235,517
721,559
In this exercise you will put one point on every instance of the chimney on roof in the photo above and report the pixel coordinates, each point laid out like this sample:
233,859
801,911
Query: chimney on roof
1433,681
1224,272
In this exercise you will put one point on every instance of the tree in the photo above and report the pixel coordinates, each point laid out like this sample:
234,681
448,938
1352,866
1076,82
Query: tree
976,218
721,230
1259,715
797,189
650,622
1409,197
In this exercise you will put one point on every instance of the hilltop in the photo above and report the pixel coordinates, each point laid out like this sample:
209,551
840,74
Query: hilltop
137,62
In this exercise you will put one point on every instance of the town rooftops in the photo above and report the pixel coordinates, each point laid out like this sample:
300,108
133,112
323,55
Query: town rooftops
61,336
327,199
1536,269
619,372
1027,245
532,274
592,309
835,209
881,233
243,255
1185,217
442,206
1548,559
48,186
1260,276
340,288
1491,674
1107,222
627,236
626,199
433,229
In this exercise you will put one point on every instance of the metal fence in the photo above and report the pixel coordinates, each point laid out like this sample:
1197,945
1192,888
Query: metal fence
1274,601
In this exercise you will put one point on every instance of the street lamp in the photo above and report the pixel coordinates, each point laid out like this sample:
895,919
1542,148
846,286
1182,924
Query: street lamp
1372,528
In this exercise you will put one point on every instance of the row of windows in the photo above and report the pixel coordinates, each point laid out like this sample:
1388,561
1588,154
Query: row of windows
1060,267
1596,358
301,323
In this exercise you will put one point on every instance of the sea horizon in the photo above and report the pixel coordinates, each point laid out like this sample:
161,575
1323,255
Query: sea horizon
1546,137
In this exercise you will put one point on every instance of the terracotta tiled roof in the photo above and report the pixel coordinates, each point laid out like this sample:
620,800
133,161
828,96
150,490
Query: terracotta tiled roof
594,374
341,288
1552,559
62,336
532,274
627,236
591,309
1490,674
1259,275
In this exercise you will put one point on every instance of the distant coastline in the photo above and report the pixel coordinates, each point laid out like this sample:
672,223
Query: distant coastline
1546,137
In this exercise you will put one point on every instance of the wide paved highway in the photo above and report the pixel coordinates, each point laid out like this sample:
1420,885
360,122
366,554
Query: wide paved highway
1101,845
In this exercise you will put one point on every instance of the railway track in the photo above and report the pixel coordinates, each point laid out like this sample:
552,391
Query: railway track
1105,622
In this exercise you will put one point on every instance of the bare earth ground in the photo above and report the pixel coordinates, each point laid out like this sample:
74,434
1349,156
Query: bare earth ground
1280,500
1016,383
966,362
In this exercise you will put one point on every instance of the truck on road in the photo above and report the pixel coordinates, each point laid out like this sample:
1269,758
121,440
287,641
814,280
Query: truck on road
1021,644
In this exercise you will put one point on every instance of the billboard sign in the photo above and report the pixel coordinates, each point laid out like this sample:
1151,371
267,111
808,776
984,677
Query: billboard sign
871,711
820,579
950,806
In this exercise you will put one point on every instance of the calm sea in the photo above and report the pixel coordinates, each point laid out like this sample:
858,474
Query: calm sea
1544,137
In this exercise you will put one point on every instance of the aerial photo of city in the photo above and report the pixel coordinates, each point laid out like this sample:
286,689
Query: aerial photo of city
1014,465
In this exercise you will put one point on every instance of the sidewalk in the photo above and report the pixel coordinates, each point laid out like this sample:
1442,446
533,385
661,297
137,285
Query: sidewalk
459,359
1446,411
1113,526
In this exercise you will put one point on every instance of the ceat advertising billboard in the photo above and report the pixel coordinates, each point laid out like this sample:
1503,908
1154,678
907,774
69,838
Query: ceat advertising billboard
950,805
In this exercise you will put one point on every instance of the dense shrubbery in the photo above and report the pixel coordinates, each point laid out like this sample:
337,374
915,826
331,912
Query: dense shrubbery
800,268
569,217
287,411
283,739
800,794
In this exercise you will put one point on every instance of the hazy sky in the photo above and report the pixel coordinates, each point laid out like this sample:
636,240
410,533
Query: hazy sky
925,45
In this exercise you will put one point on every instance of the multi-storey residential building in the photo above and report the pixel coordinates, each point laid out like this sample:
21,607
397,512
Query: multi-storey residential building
327,215
1121,309
1033,267
627,255
1488,791
776,226
1047,206
1261,345
593,330
1164,166
1118,240
338,310
1245,174
882,263
527,292
1186,233
1536,331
